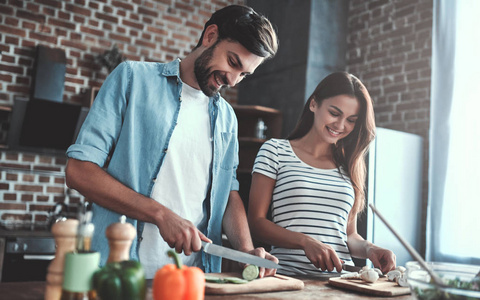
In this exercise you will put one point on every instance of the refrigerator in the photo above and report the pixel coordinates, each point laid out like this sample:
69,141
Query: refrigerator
394,186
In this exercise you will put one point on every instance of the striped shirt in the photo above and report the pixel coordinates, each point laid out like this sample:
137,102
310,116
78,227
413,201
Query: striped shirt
313,201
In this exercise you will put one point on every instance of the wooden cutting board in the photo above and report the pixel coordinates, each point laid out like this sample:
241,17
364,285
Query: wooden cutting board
382,287
266,284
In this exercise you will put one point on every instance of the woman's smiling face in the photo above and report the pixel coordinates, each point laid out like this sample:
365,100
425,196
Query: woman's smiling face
335,117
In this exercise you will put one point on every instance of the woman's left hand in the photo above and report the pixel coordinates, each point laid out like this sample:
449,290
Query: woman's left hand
382,258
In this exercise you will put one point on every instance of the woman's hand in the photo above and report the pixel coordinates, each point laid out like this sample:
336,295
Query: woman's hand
382,258
322,256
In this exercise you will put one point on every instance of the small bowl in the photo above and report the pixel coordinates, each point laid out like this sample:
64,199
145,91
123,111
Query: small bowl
423,288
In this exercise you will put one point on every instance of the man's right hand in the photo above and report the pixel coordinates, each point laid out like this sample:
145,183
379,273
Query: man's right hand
180,234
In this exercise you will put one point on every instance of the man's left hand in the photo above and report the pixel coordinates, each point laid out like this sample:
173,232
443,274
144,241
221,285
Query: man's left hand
260,251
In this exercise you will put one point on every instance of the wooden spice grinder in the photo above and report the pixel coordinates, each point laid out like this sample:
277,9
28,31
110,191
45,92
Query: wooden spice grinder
120,237
65,234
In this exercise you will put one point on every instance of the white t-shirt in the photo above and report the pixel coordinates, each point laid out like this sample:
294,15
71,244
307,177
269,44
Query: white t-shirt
183,180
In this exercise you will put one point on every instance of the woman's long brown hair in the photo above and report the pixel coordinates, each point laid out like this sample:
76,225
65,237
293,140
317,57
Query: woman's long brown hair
349,152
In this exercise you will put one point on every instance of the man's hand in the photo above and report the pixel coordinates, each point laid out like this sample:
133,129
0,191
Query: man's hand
180,234
260,251
382,258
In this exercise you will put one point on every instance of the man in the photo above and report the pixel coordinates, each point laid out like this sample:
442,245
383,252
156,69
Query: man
172,143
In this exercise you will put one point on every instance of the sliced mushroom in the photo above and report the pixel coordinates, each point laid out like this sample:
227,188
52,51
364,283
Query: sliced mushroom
393,275
353,275
402,281
380,273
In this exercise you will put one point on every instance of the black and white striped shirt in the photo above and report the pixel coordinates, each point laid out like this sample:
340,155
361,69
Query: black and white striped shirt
306,199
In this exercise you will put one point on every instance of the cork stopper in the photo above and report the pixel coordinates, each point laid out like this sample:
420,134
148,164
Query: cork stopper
120,237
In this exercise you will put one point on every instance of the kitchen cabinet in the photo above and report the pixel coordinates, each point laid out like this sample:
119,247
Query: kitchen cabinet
250,142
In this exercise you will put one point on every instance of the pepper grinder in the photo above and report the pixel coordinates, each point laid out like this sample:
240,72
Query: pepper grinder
65,233
120,237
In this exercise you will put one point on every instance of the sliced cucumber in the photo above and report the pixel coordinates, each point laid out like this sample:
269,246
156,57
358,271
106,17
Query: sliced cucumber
213,279
235,280
250,272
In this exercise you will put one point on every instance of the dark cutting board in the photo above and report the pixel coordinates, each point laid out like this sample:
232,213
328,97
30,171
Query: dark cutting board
382,287
260,285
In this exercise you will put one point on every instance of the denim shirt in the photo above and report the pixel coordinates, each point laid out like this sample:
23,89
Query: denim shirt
131,121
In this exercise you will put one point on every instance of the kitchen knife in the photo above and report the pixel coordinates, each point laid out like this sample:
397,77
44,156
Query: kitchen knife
350,268
238,256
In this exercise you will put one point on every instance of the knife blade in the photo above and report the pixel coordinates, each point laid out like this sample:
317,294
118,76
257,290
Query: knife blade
350,268
238,256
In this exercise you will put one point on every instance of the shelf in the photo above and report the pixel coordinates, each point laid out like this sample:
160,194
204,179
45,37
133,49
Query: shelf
254,110
5,108
249,115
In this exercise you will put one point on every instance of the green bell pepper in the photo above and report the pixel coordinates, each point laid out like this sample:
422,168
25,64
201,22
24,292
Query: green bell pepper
123,280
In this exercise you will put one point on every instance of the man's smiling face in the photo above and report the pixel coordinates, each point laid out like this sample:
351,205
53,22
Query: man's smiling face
224,64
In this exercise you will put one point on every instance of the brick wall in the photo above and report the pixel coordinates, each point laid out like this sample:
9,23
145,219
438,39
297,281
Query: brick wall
30,184
389,49
145,30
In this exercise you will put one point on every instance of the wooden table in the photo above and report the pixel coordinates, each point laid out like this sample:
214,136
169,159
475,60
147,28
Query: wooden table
314,289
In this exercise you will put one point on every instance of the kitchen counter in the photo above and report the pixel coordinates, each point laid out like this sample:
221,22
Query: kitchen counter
314,289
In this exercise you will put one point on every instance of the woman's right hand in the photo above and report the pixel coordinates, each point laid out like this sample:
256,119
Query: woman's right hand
321,255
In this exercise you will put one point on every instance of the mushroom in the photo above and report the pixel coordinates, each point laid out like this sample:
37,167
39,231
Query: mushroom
369,275
393,275
353,275
364,268
380,273
402,281
399,276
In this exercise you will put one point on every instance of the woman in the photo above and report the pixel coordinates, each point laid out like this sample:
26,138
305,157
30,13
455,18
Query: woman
314,183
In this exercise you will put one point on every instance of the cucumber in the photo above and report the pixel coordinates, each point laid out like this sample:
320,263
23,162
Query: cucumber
250,272
235,280
215,279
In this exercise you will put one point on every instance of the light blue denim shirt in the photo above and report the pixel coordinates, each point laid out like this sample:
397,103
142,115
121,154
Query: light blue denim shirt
132,120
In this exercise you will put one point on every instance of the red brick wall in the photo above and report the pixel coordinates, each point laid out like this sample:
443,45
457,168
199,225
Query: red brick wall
389,49
29,191
146,30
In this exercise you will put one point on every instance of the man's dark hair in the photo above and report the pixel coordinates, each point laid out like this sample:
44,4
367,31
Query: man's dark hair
242,24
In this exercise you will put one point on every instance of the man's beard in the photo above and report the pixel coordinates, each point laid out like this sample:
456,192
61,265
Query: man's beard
202,71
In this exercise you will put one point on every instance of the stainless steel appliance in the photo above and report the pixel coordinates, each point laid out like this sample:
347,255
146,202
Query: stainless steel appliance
27,247
27,258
